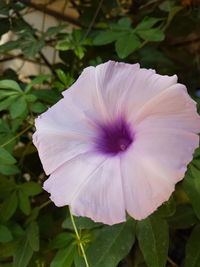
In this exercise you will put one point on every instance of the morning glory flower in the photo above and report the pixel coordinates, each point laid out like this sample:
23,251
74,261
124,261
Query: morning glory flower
117,142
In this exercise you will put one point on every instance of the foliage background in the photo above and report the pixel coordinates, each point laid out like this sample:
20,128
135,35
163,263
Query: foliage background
163,35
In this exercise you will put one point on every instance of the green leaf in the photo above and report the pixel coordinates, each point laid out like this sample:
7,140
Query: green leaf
191,185
38,107
6,157
10,84
153,35
8,46
8,169
31,188
30,46
81,222
18,107
30,98
24,202
153,237
63,46
106,37
192,258
111,245
147,23
79,52
5,25
61,240
172,14
64,257
167,5
9,207
7,93
167,209
6,103
37,80
127,44
33,236
51,31
62,76
23,254
5,234
183,218
48,96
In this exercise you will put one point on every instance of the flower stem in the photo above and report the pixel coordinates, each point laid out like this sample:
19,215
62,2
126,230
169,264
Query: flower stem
16,136
78,238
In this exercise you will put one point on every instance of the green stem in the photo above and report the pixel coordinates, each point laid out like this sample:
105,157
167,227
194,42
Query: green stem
78,238
16,136
44,204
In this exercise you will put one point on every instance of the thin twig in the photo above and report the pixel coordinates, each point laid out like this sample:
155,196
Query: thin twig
16,136
93,19
172,262
51,12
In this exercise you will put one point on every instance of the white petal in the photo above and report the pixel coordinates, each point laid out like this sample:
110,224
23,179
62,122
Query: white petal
101,196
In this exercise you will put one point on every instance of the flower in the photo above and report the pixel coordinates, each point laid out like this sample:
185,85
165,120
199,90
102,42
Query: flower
118,141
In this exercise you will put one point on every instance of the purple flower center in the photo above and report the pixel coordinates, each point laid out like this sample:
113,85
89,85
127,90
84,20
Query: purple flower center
114,138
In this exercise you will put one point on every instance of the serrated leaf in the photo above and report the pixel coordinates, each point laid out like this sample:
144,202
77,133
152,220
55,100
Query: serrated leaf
153,237
33,235
112,244
10,84
127,44
64,257
5,234
18,107
192,258
24,202
23,254
9,207
6,157
31,188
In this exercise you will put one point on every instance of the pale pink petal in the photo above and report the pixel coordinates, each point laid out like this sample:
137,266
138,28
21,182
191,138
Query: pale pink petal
101,197
62,133
67,180
173,109
84,94
125,88
153,165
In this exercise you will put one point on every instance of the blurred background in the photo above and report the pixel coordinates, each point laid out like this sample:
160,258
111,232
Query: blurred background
44,46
